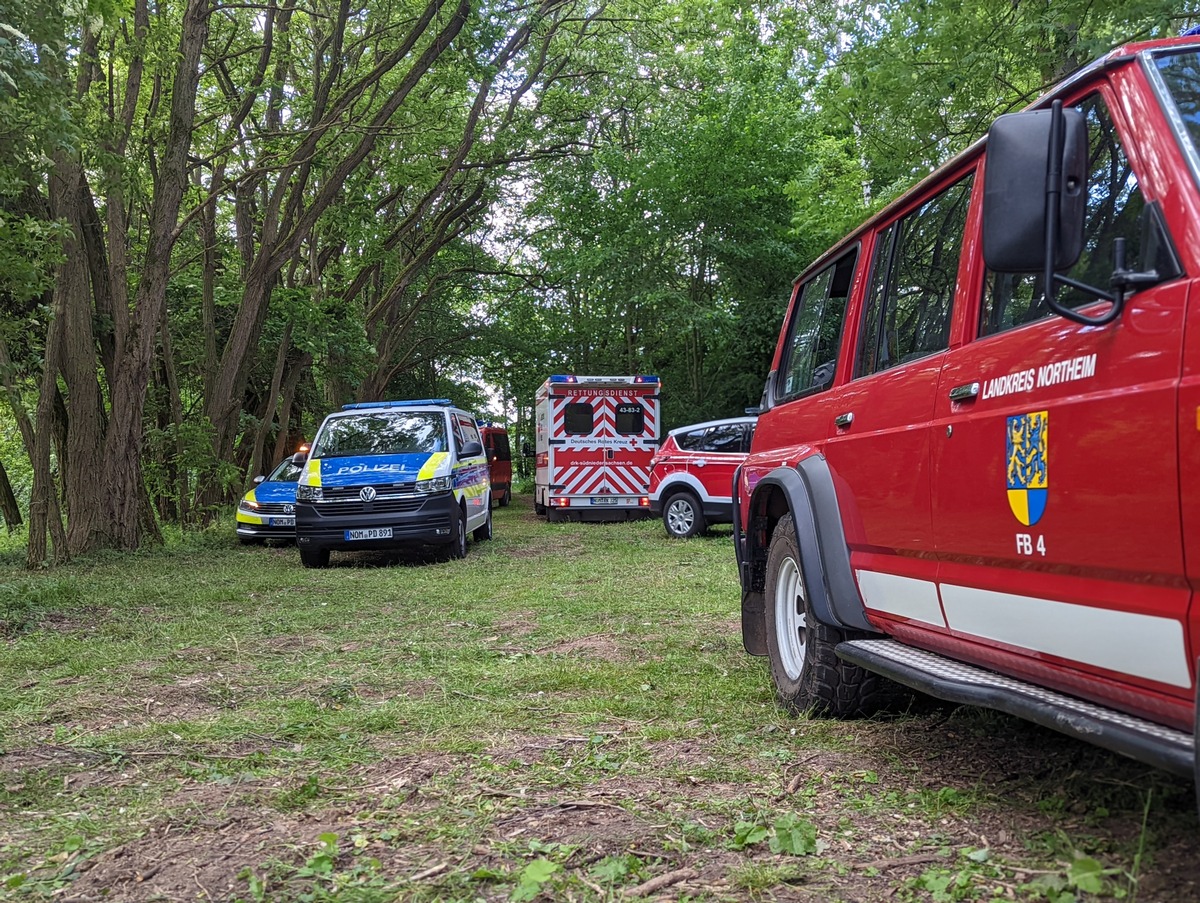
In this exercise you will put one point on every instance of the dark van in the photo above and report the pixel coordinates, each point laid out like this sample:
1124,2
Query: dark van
499,456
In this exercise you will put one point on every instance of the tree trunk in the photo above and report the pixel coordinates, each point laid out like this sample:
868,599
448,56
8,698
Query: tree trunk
179,467
124,511
8,502
282,440
78,364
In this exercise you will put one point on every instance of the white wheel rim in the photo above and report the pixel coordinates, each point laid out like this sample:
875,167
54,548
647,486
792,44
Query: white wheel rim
680,516
790,620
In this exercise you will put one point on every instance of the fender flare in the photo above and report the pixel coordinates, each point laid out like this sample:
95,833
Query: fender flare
677,481
824,556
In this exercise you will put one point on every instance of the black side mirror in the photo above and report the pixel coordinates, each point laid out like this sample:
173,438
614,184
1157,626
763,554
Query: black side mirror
1022,170
299,459
470,449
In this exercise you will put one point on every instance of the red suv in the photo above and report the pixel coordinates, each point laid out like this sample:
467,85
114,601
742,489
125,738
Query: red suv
499,456
692,472
977,468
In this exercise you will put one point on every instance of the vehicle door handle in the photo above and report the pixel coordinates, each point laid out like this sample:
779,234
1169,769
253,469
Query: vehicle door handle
699,462
965,392
844,420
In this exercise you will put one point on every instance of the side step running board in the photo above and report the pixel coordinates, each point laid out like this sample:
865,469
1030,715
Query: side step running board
945,678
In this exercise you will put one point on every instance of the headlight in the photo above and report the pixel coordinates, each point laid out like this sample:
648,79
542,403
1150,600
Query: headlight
437,484
247,505
308,493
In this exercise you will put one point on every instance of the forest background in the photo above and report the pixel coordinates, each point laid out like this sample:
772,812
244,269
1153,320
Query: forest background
220,220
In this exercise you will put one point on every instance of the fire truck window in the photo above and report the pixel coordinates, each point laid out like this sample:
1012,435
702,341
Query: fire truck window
907,314
503,452
1114,206
631,419
577,419
816,330
726,438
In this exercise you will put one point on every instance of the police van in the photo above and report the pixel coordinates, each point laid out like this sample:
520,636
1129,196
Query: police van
389,474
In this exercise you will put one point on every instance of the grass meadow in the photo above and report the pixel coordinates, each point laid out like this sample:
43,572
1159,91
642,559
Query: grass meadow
566,714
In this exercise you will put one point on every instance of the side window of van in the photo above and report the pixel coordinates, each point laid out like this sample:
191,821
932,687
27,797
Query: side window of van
812,345
1114,206
907,311
465,430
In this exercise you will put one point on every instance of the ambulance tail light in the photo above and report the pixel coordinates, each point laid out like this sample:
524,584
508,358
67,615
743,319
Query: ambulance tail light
644,501
558,501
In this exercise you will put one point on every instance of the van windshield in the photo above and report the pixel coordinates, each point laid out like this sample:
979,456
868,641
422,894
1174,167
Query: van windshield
383,433
1180,73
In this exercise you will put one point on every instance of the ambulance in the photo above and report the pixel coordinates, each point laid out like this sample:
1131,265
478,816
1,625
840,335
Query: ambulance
595,436
389,474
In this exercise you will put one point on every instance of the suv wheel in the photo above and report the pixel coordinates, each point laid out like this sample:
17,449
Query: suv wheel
507,497
808,676
484,533
682,515
314,558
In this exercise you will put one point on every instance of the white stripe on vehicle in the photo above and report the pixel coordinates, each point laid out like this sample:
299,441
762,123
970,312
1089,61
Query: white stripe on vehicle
907,597
1144,646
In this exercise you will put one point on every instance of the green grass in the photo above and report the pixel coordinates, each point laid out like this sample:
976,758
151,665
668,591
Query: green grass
566,713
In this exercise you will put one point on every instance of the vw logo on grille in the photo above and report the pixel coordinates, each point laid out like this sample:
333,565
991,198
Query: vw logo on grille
367,493
289,509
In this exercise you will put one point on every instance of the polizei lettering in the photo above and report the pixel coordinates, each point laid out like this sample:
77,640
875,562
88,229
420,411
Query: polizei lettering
1083,367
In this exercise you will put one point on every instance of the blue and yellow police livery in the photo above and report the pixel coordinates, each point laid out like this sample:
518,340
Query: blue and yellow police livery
268,511
387,474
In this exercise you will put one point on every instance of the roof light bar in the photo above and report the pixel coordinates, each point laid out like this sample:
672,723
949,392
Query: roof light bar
416,402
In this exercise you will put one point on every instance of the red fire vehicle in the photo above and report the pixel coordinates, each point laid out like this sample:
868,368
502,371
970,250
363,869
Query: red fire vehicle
499,454
985,490
594,441
692,471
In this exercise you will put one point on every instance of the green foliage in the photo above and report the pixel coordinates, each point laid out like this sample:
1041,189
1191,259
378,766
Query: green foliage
531,879
793,835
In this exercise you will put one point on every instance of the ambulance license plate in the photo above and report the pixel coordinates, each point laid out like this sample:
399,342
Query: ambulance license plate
604,500
369,533
283,522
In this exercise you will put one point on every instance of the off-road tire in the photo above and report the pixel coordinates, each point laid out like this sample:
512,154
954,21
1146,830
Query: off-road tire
809,678
506,497
314,558
683,517
484,533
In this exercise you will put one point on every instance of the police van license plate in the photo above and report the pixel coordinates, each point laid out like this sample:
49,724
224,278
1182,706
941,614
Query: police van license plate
604,500
369,533
283,522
